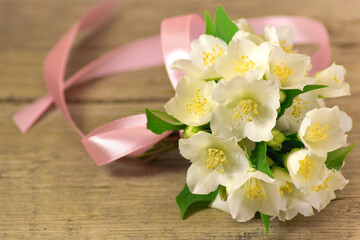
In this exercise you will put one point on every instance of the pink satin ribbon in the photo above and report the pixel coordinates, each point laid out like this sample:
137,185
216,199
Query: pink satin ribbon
129,136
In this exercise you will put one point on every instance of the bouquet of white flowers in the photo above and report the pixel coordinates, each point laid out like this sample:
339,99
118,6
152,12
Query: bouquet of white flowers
255,126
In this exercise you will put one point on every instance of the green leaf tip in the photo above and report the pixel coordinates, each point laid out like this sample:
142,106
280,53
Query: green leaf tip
209,25
265,220
335,159
225,28
186,199
213,79
159,122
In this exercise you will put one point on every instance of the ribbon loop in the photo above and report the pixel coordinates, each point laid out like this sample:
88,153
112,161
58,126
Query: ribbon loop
176,36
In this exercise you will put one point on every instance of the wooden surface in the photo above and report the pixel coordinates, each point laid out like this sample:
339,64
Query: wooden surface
49,186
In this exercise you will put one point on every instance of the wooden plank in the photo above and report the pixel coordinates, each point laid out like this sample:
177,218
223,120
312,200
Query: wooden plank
51,189
29,36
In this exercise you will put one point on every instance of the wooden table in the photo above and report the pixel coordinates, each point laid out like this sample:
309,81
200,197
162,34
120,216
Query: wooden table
49,186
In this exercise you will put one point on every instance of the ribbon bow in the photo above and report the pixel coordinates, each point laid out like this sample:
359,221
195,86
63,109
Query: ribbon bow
129,136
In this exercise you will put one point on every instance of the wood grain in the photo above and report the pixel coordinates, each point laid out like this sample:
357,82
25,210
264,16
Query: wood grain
49,186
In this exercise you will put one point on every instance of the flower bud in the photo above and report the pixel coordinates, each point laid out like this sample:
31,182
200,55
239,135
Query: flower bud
270,162
282,96
276,142
189,131
223,192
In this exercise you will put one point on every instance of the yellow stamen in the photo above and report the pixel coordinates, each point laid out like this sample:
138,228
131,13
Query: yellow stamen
282,72
306,165
322,186
287,48
286,188
216,160
297,108
336,78
254,190
197,104
209,57
315,133
246,110
243,64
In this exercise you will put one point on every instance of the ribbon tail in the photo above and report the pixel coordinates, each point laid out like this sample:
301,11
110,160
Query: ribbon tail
29,115
126,136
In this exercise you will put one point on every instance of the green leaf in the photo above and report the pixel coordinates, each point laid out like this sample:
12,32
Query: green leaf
276,156
292,93
159,122
289,145
186,199
209,25
265,220
258,158
336,158
225,28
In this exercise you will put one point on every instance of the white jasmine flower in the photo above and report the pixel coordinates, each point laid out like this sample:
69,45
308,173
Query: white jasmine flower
242,57
256,191
219,204
192,103
247,108
290,70
333,77
252,37
296,113
280,36
204,51
282,125
306,170
323,130
246,31
319,196
292,199
215,160
244,25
